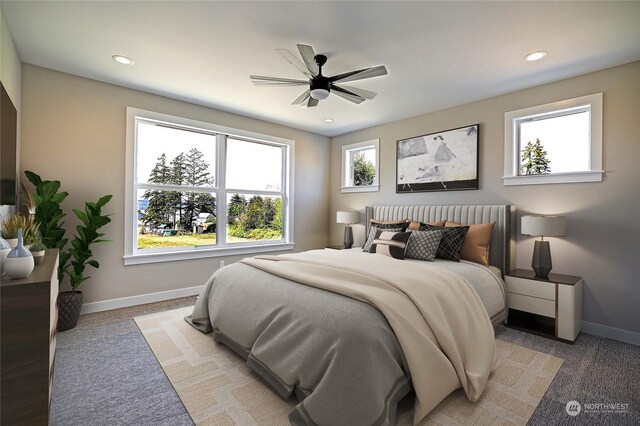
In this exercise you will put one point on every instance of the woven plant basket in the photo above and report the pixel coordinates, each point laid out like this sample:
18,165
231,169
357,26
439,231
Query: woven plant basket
69,305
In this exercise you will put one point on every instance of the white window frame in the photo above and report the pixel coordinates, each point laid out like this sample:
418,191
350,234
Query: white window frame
133,256
346,183
592,103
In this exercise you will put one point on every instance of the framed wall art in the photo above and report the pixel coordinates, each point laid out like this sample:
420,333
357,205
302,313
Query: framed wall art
442,161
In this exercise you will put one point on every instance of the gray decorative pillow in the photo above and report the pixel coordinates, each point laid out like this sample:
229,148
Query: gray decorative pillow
392,244
451,242
423,245
391,227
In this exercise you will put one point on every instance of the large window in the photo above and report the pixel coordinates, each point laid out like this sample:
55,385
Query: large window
195,190
559,142
360,165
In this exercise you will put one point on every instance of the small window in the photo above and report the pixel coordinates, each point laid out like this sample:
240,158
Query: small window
559,142
360,165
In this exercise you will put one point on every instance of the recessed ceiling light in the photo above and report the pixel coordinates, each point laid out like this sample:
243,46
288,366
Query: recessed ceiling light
534,56
122,60
328,120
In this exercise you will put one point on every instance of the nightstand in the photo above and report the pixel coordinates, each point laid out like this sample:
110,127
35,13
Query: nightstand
549,306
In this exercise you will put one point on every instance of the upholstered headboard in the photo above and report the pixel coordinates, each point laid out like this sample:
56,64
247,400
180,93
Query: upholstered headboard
502,252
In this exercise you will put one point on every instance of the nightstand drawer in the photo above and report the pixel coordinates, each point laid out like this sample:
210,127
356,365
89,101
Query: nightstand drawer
534,305
525,287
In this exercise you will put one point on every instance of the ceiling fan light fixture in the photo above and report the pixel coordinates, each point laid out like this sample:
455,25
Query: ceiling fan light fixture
319,87
319,94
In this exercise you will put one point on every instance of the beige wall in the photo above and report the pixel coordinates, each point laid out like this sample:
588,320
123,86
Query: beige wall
11,77
603,219
73,130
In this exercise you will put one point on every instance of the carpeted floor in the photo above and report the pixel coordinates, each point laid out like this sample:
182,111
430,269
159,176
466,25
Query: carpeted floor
106,374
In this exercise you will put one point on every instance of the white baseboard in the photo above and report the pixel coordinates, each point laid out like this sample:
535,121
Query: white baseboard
611,332
106,305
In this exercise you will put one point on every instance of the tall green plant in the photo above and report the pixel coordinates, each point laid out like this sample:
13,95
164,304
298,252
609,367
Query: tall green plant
87,234
48,216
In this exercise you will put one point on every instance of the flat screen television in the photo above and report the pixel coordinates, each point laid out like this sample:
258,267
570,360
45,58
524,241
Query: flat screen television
8,149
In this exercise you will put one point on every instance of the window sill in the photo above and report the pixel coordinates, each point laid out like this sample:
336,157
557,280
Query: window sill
172,256
577,177
370,188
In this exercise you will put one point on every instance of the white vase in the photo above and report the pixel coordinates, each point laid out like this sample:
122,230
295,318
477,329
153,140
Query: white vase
18,267
19,262
12,242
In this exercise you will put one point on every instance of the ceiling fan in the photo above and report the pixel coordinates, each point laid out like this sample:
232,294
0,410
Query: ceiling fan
319,85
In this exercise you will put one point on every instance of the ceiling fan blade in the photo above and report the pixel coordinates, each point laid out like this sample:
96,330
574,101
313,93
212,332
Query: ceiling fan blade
360,92
293,60
359,74
261,80
300,99
312,102
308,57
345,94
274,84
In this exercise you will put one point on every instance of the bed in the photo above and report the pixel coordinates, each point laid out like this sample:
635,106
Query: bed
351,333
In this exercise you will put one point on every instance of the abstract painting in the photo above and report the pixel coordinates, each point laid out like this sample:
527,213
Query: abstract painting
443,161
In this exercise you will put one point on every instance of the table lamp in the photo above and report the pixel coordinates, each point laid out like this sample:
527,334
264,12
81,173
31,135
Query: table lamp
348,218
542,226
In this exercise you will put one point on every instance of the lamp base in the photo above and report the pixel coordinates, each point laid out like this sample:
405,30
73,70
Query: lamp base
541,262
348,237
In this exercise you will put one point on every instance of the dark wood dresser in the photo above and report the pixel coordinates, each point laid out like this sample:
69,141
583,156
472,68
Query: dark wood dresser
28,321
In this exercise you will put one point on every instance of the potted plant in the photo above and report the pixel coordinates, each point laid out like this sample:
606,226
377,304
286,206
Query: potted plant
10,227
48,216
37,251
70,302
8,231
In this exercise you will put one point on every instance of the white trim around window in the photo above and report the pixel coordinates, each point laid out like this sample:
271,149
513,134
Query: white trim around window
512,120
346,179
133,256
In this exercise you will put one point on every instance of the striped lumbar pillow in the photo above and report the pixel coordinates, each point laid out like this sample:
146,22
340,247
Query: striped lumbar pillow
391,244
375,225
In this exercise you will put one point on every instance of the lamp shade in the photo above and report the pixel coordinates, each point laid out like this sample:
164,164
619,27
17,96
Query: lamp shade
348,217
542,226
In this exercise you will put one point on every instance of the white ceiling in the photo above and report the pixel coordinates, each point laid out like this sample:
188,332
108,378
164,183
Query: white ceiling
439,54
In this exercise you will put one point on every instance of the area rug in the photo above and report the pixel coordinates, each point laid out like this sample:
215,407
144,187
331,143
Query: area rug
218,389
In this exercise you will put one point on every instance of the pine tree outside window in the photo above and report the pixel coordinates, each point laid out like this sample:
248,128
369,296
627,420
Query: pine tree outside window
198,190
534,159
